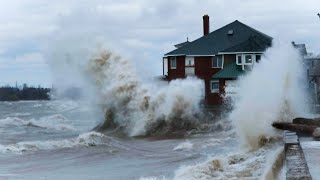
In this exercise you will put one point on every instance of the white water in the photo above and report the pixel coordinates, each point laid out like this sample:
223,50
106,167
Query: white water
272,91
57,122
86,139
183,146
94,154
134,104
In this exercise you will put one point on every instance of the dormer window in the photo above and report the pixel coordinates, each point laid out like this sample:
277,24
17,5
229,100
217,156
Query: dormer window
247,60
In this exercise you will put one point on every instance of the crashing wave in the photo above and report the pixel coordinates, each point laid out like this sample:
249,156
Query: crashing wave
271,91
86,139
139,108
252,165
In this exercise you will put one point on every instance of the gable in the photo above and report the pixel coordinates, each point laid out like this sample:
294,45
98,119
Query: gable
221,40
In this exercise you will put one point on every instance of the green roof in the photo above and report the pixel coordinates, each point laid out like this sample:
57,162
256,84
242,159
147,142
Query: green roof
230,71
253,44
182,44
221,40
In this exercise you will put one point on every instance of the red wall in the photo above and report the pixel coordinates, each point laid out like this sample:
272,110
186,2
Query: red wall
179,72
203,70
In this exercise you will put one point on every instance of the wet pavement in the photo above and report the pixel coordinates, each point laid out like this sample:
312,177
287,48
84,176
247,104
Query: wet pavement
311,149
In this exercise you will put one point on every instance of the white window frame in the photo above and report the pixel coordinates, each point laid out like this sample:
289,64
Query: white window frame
239,55
213,65
214,90
175,62
243,58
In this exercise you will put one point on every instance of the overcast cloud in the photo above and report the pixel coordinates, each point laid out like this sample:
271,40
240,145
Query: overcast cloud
142,30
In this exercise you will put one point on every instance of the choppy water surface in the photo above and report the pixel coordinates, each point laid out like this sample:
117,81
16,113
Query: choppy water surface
53,140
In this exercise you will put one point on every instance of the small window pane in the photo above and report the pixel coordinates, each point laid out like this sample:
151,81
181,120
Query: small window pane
214,86
239,59
217,62
189,61
248,59
173,63
258,58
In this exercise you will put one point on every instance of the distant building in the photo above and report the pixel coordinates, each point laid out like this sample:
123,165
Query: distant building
218,58
312,65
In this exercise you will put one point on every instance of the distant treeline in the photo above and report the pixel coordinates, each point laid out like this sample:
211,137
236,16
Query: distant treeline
8,93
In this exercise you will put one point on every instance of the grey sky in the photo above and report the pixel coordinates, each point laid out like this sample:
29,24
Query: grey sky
142,30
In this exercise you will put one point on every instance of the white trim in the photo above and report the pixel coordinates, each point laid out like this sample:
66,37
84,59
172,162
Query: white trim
165,66
201,55
222,62
214,90
187,55
239,53
174,55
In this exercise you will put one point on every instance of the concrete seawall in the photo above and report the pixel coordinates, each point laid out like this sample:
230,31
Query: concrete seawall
295,162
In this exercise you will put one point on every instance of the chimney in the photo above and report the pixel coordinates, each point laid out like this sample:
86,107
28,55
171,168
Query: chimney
206,26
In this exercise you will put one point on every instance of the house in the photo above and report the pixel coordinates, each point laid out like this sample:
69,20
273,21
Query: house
312,64
218,57
313,73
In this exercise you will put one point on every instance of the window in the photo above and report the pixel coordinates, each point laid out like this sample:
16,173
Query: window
189,71
189,61
239,59
248,59
258,58
173,63
214,86
217,62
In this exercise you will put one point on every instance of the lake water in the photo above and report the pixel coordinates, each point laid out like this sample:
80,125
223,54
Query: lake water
53,140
